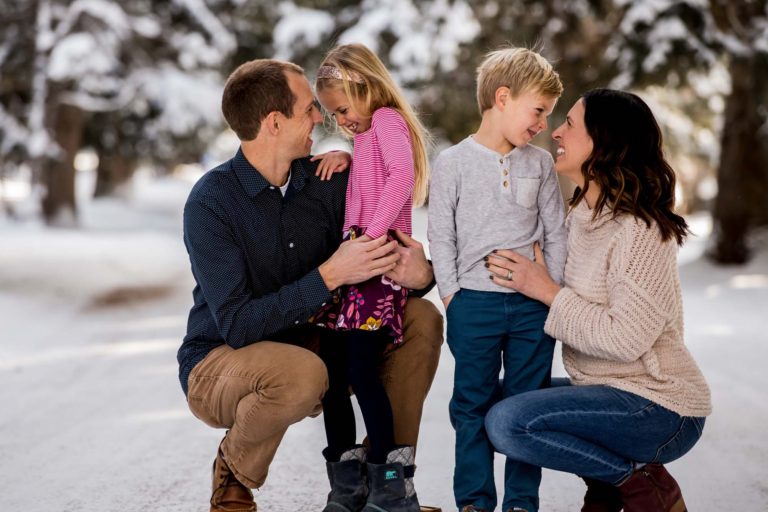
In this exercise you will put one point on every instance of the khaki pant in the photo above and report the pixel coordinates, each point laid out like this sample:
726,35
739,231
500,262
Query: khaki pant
259,390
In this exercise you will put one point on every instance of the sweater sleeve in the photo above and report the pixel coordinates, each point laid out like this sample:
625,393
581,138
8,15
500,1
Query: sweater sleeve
641,298
552,213
394,139
441,230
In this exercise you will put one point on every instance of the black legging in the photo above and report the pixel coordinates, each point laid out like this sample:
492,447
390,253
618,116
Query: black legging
352,358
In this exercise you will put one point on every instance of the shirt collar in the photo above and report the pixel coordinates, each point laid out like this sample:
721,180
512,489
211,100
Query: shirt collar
253,182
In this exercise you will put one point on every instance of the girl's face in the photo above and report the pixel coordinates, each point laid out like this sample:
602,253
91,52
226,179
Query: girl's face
347,115
574,145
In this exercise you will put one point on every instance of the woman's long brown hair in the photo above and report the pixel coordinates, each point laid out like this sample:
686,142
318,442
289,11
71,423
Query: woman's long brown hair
627,162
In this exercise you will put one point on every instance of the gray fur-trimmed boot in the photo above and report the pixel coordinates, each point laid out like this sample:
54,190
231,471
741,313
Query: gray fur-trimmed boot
391,485
348,483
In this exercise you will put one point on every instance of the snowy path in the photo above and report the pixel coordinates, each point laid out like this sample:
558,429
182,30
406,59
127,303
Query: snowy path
93,418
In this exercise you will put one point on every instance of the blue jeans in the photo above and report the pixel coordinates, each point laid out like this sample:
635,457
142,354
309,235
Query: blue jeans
488,330
592,431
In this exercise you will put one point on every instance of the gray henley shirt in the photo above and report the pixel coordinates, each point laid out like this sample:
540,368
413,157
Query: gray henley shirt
481,200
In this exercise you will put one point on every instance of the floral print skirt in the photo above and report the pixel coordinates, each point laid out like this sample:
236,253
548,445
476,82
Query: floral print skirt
372,305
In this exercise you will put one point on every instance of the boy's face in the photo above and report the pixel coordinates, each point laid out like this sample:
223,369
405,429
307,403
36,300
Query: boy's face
524,116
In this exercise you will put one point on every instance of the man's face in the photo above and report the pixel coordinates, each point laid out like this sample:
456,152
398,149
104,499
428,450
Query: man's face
296,136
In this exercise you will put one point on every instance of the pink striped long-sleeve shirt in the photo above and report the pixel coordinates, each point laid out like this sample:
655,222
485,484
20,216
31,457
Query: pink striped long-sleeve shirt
380,187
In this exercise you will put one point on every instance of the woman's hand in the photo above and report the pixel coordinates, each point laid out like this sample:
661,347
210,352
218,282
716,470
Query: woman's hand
331,162
515,271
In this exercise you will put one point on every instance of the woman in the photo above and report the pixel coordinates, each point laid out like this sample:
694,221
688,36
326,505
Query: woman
636,399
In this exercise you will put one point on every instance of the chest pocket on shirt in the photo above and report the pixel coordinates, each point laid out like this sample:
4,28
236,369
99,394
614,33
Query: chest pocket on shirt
526,191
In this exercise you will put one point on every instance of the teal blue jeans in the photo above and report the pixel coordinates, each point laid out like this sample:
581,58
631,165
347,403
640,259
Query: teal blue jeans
598,432
488,332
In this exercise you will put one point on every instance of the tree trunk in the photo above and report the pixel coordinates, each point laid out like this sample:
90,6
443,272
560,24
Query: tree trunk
114,170
741,176
58,175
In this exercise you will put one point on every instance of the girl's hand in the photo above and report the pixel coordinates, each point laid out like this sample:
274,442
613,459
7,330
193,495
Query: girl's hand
331,162
515,271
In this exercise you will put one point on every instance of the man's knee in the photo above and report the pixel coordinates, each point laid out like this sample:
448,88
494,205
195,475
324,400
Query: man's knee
308,378
423,321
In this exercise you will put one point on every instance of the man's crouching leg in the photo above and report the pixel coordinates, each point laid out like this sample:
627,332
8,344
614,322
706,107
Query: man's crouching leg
257,392
408,369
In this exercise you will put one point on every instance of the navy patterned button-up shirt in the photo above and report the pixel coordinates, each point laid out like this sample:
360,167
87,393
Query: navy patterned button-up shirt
255,255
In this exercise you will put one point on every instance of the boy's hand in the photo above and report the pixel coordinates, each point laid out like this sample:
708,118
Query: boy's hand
331,162
447,300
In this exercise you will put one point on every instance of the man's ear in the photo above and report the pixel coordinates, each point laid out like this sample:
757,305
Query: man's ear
501,97
271,123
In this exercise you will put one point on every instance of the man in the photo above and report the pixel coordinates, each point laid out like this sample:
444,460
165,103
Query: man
263,235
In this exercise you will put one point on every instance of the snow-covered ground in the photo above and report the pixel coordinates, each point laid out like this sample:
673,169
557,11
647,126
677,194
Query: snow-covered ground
92,417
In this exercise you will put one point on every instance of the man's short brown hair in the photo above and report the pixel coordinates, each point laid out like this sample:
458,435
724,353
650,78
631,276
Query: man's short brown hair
255,89
520,69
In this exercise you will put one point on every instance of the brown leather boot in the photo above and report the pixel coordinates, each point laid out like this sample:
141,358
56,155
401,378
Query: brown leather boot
601,497
652,488
229,495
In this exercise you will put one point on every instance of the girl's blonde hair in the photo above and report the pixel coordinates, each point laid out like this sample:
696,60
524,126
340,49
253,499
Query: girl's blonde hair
366,82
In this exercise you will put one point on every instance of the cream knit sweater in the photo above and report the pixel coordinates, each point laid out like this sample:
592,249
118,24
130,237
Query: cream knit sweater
620,314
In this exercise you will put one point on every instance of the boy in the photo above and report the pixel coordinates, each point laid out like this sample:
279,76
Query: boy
493,190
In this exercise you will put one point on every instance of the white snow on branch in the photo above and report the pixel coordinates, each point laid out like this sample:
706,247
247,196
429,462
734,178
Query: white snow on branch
222,38
299,26
187,101
80,55
12,132
109,13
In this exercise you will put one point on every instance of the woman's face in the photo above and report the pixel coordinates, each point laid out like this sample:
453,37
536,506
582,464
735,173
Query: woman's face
574,145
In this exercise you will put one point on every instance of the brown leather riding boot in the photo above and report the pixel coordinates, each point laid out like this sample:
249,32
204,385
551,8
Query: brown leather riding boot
229,495
601,497
652,488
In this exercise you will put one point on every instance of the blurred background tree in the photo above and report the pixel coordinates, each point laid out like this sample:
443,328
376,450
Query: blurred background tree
139,82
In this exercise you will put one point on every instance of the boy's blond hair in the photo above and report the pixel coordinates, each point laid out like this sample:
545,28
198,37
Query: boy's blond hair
365,81
520,69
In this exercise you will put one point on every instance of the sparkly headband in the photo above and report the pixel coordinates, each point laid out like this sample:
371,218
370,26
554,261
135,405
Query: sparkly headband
334,72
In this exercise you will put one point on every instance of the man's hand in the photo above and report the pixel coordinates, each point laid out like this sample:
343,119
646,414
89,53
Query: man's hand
331,162
447,300
358,260
412,271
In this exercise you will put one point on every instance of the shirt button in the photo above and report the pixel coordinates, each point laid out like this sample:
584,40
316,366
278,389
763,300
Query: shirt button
506,172
506,184
290,245
296,322
501,160
271,188
323,304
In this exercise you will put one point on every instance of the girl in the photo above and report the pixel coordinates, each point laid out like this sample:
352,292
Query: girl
387,176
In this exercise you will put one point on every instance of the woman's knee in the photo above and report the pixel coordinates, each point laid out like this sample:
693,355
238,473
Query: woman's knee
504,427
